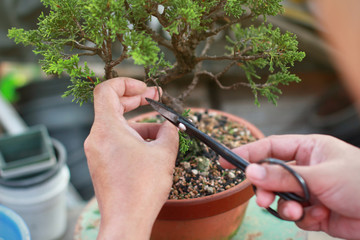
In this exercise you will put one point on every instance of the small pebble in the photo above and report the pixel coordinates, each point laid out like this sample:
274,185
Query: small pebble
231,175
209,189
194,171
186,165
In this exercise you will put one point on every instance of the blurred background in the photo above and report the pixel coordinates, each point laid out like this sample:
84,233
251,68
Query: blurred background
319,104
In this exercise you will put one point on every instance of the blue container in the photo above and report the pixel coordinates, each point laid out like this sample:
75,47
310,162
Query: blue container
12,226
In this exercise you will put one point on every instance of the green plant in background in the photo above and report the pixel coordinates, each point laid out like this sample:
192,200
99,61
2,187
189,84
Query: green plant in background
116,30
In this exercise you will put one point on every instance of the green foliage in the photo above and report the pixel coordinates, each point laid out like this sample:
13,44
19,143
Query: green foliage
185,142
269,50
184,14
116,30
138,42
258,7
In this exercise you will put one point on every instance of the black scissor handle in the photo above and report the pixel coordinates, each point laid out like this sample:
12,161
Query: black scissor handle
288,196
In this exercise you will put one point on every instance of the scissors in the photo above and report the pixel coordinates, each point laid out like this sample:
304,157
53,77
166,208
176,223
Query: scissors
189,128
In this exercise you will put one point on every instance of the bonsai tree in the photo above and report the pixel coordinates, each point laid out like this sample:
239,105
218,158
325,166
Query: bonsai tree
119,30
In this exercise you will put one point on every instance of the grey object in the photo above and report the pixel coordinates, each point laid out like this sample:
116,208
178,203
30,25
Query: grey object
10,119
27,153
41,177
41,103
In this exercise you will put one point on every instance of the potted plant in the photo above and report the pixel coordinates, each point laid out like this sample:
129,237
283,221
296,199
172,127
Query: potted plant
171,40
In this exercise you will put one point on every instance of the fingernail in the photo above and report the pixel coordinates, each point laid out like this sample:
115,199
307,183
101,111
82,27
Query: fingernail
257,172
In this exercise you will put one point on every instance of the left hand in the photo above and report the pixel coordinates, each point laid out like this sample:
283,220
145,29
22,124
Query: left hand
132,176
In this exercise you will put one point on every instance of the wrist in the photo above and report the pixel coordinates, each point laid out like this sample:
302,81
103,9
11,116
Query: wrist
125,226
127,219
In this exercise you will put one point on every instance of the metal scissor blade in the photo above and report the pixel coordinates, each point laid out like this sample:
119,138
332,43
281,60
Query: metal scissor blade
191,129
165,111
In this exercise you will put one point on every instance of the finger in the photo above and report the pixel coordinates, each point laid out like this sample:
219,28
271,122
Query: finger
124,86
225,164
116,96
168,136
272,178
314,218
146,130
133,102
284,147
290,210
264,198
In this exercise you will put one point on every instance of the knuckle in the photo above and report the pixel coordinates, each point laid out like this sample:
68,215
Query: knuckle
87,145
99,88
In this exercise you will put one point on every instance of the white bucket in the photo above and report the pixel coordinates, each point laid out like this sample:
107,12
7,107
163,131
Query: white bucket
43,206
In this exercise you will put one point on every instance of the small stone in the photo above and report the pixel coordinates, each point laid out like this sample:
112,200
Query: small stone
231,175
176,178
186,165
203,164
205,174
209,189
194,171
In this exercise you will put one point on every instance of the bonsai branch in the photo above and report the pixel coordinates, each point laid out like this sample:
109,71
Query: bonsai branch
237,57
215,9
158,38
207,46
122,57
192,85
80,46
216,78
228,23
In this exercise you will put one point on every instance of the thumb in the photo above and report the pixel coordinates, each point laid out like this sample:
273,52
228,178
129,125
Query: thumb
276,178
168,136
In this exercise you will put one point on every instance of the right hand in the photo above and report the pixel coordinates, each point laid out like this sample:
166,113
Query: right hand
330,167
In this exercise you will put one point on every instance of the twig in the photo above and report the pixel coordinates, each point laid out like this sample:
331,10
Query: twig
123,55
158,38
216,79
87,54
157,86
227,25
193,83
207,46
82,46
233,58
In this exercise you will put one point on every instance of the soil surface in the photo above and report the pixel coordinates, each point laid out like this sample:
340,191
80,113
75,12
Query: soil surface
198,172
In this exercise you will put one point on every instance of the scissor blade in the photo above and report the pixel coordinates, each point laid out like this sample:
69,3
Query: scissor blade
165,111
191,129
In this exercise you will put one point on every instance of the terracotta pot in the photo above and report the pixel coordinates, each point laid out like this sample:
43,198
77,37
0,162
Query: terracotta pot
216,216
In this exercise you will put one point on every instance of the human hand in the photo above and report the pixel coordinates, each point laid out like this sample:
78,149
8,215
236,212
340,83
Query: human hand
331,169
132,176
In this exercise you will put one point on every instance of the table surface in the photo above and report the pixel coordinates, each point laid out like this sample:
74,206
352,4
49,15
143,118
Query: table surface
258,224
